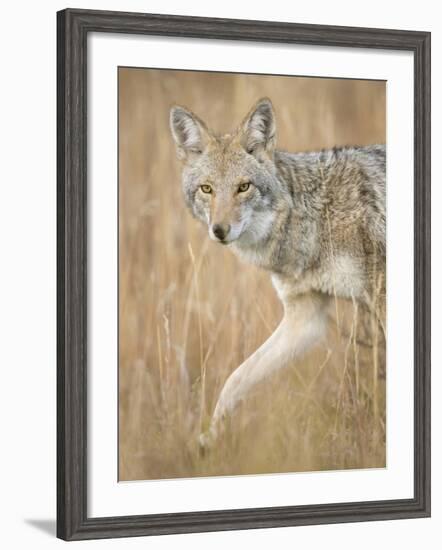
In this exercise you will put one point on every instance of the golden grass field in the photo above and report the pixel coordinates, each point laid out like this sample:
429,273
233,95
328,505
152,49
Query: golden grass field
190,312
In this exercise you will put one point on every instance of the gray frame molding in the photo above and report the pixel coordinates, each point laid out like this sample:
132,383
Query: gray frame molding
73,27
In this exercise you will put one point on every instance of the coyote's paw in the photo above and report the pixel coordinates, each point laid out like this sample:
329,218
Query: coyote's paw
203,443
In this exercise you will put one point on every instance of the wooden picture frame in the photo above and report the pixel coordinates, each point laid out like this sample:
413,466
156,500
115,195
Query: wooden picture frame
73,27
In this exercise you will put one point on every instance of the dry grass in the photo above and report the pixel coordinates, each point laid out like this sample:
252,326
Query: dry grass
190,313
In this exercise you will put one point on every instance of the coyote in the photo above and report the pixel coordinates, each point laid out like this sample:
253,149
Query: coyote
315,221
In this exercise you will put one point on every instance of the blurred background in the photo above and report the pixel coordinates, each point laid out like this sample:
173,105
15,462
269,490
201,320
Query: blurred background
190,312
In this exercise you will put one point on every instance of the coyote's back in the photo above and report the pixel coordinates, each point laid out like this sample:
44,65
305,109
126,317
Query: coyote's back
339,203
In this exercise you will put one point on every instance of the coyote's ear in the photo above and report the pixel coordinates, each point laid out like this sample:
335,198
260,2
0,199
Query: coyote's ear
257,132
189,132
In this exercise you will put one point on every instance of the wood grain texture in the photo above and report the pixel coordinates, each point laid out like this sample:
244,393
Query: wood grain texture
72,29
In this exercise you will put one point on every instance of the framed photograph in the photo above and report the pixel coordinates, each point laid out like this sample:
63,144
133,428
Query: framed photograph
243,274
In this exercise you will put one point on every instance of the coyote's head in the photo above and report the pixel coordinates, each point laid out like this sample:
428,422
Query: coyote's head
229,181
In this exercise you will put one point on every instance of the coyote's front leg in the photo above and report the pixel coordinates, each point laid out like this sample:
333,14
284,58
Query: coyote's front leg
302,326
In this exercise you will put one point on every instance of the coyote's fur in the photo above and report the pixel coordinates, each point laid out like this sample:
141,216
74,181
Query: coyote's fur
315,221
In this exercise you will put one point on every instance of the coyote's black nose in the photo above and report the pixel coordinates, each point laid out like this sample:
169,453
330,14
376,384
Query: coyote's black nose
220,230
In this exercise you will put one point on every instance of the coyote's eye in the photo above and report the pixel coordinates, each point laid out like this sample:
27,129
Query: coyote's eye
206,188
243,187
